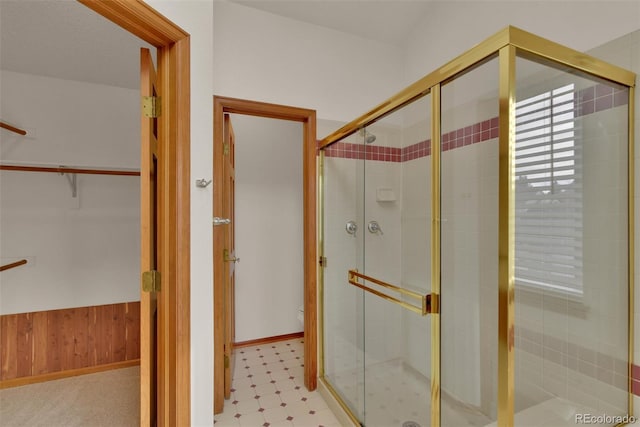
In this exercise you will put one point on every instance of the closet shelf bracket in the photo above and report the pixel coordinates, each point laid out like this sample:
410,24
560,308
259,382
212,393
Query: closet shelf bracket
72,179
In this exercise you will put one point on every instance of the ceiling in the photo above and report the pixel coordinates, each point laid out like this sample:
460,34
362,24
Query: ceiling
64,39
389,21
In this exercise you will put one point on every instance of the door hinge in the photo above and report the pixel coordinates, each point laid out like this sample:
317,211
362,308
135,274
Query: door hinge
226,256
225,149
226,362
151,106
323,261
151,281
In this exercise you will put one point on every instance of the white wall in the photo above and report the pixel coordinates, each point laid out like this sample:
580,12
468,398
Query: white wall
196,18
81,251
265,57
66,126
456,26
269,226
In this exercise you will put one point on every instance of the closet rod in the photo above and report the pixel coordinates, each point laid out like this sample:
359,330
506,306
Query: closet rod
13,265
8,127
68,170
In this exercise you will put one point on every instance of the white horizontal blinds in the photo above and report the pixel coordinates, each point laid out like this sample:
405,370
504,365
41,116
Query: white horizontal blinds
548,195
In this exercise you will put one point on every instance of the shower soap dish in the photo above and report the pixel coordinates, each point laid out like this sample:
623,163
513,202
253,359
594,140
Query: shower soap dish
385,195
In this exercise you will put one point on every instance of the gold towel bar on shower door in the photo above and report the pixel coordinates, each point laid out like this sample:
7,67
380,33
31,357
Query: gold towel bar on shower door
425,300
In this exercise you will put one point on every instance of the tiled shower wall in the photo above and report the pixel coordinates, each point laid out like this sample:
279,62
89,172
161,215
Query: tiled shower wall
625,52
347,199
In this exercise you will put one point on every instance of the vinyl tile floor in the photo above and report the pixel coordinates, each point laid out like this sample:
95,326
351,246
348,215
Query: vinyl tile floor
268,390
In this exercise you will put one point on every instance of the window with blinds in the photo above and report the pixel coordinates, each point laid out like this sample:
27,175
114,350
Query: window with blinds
548,194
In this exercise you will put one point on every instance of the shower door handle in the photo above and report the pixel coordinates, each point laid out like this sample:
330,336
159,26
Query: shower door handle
428,302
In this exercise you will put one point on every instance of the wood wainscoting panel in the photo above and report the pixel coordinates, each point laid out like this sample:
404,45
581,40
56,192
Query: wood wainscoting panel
45,342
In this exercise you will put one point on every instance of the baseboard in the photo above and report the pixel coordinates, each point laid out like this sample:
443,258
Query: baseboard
17,382
268,340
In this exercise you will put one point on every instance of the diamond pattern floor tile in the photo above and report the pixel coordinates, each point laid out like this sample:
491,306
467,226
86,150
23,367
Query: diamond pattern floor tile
268,390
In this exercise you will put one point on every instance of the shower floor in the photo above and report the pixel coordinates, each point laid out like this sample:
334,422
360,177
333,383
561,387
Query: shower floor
394,394
390,393
554,412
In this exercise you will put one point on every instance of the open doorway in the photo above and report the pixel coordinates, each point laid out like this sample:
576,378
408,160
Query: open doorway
70,207
269,291
173,137
227,110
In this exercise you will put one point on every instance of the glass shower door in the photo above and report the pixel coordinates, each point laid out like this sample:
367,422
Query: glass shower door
571,246
469,236
343,250
397,221
377,220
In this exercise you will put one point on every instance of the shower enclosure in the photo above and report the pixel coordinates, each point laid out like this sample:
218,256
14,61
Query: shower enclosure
475,244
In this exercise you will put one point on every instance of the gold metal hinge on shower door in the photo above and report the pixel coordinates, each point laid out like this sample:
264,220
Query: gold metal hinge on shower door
151,281
151,106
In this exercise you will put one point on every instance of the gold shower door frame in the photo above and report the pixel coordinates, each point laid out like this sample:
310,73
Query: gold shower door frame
506,45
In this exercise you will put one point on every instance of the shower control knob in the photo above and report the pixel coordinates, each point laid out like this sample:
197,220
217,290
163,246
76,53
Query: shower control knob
374,227
351,227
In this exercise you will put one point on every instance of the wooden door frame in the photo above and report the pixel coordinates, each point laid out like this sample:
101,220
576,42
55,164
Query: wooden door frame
222,105
173,68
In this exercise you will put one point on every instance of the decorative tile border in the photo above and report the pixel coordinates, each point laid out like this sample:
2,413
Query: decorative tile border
587,101
635,379
598,98
348,150
478,132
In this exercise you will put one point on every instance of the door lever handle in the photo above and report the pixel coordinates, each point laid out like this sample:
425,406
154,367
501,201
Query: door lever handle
221,221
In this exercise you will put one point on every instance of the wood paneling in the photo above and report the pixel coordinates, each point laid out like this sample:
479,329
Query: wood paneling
44,342
9,351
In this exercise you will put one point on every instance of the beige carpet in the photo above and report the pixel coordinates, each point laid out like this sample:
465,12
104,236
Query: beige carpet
110,398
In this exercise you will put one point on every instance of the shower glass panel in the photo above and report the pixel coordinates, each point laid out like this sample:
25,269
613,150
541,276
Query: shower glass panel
376,220
529,245
397,341
571,246
343,309
469,247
